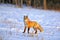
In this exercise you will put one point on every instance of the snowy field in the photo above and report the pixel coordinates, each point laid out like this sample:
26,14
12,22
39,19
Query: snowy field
12,25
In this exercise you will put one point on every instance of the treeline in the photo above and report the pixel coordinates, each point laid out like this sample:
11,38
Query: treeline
49,4
16,2
53,4
33,3
6,1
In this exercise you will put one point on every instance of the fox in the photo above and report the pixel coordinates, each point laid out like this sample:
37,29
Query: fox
32,24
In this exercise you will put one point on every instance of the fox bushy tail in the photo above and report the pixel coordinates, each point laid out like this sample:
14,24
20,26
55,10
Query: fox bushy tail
41,29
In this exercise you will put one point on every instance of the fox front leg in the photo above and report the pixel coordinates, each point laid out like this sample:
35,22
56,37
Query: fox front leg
24,29
28,30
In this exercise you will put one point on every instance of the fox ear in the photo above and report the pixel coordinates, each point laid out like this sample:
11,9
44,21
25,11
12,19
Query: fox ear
24,16
27,16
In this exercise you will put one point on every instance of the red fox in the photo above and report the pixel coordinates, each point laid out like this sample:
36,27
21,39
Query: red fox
31,24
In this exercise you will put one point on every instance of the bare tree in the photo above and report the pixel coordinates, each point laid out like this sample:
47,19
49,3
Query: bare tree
45,5
28,2
19,3
37,3
2,1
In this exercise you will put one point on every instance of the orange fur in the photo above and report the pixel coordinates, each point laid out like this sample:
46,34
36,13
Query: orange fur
32,24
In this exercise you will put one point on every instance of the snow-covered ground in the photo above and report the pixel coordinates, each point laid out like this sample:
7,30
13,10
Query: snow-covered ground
12,24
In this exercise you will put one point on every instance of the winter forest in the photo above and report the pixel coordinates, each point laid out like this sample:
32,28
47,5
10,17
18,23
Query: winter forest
21,19
44,4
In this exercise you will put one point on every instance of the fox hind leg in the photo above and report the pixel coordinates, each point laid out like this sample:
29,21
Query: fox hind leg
35,30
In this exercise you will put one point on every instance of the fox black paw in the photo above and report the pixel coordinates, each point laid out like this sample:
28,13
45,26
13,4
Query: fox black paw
23,32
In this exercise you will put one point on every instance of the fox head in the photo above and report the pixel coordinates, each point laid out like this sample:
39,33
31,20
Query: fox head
25,17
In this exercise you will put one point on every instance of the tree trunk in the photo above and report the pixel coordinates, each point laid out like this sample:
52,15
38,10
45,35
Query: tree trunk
13,1
2,1
19,3
28,2
45,4
16,1
37,3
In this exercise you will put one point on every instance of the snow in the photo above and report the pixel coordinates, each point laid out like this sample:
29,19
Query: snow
12,24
